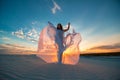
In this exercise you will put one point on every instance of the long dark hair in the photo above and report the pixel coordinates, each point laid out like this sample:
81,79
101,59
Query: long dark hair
59,26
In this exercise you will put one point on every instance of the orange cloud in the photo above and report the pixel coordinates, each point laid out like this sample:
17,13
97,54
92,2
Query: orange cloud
98,40
15,49
104,49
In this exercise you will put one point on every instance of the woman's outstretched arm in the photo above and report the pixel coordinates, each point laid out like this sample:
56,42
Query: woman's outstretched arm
67,28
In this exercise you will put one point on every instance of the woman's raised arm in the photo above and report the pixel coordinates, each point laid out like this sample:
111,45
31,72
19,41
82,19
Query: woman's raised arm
67,28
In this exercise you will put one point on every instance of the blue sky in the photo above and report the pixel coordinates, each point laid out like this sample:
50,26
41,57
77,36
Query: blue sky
98,21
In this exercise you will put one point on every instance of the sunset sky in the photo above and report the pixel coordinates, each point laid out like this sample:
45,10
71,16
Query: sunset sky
98,22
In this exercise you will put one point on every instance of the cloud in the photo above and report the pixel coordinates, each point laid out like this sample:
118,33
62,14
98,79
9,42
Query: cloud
115,46
16,49
34,22
2,31
55,8
5,38
19,34
13,45
104,48
32,35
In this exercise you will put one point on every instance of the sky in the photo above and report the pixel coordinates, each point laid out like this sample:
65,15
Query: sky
21,21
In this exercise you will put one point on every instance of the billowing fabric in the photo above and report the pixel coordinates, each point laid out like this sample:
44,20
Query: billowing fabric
53,45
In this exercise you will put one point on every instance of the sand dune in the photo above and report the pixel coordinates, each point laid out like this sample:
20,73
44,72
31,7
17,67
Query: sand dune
30,67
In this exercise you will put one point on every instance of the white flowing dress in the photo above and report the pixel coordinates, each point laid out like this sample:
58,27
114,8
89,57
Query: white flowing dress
52,44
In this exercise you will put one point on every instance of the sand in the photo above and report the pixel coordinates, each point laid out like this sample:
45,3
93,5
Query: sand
30,67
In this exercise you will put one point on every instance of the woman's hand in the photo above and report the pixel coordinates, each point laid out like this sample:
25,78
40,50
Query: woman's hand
67,28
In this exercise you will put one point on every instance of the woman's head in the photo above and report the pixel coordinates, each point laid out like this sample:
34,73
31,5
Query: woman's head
59,26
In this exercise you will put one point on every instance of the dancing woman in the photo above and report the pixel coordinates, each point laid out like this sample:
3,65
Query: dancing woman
61,47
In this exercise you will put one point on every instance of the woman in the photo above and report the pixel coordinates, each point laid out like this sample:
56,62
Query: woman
51,46
60,35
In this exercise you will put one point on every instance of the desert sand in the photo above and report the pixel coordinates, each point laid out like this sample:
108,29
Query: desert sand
30,67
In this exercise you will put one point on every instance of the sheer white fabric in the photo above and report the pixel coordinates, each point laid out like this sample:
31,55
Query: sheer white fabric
52,44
